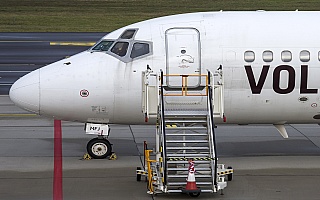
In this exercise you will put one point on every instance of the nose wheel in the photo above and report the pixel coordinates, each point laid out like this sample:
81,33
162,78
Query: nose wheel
99,148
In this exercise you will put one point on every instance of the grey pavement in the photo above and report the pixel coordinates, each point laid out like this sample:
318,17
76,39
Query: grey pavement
21,53
266,165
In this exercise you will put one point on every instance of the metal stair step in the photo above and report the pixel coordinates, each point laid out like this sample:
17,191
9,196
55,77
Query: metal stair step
188,114
187,141
187,128
185,175
186,134
186,169
179,191
187,148
188,111
188,121
184,183
188,155
186,162
186,117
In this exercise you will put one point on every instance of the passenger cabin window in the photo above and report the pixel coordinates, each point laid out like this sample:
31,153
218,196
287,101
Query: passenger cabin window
305,56
120,48
267,56
286,56
139,49
249,56
128,34
103,46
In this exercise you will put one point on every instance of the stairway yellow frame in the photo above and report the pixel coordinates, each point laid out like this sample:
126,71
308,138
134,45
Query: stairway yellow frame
150,171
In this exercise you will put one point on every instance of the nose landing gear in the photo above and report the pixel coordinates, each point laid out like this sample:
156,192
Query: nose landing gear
100,147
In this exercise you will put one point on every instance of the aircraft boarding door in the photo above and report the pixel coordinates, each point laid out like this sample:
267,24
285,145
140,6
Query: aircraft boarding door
182,56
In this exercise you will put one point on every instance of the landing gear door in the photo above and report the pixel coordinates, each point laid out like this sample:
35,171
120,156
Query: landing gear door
182,56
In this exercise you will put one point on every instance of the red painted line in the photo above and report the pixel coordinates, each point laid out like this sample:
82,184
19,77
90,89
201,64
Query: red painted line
57,174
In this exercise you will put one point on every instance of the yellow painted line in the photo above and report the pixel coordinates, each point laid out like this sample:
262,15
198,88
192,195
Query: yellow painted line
17,115
21,41
55,43
72,43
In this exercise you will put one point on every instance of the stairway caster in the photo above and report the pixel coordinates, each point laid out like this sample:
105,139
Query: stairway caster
229,176
99,148
194,194
138,175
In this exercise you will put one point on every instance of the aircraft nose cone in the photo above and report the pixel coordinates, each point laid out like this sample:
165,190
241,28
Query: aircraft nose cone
25,92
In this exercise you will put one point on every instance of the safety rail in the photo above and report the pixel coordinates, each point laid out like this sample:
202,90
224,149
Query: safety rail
163,130
212,136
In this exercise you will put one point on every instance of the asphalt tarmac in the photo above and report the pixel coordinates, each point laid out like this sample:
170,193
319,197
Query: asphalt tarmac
266,165
21,53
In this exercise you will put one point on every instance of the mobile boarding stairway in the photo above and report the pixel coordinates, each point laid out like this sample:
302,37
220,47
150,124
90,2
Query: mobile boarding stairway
185,131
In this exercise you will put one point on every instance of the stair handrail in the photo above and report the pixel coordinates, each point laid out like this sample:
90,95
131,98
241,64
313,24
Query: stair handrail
212,135
163,130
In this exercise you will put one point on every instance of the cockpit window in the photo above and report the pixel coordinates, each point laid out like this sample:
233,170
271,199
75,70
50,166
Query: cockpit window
128,34
103,46
139,49
120,48
126,48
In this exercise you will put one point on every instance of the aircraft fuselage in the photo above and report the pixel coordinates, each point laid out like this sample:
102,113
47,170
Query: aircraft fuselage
270,63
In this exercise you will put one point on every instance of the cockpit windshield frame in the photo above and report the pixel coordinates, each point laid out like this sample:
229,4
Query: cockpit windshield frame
122,48
103,45
128,33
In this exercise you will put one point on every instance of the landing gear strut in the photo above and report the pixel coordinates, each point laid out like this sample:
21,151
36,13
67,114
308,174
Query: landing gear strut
100,147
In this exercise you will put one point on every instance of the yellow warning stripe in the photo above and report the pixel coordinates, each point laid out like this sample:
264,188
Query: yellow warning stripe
225,172
72,43
186,159
142,172
171,126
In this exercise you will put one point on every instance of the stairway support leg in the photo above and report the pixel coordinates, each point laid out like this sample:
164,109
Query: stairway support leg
158,151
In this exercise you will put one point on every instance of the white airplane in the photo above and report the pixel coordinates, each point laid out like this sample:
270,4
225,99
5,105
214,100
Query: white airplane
270,63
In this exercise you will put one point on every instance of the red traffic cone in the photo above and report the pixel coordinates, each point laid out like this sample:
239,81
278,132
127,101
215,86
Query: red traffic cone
191,187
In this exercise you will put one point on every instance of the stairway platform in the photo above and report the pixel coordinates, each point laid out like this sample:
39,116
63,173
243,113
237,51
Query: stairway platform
188,113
